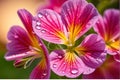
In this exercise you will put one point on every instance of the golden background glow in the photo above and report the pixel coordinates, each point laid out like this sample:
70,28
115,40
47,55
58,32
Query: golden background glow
8,14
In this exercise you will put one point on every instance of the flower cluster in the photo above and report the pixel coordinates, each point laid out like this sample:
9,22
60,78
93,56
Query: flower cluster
65,26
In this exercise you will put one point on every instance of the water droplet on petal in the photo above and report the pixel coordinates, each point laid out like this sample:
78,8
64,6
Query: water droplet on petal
44,74
40,15
74,71
54,65
60,56
38,23
15,36
38,27
43,31
63,72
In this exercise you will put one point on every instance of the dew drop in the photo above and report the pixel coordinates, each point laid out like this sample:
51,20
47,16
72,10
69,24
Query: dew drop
38,23
15,36
40,15
43,31
38,27
44,74
54,65
74,71
60,56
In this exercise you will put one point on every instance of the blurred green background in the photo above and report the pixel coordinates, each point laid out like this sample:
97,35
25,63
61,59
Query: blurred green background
7,70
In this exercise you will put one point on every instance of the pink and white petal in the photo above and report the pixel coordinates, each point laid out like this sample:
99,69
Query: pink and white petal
40,72
79,16
111,21
26,18
19,42
48,26
117,57
15,55
88,70
108,70
111,51
92,61
100,27
63,67
93,50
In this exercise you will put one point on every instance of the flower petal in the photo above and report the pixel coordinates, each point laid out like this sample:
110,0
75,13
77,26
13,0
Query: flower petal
109,24
100,27
19,43
48,26
108,70
26,18
78,16
88,70
111,20
41,71
66,64
117,56
91,50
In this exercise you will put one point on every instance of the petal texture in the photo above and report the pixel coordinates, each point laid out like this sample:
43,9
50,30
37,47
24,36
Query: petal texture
78,16
108,26
66,64
48,26
108,70
91,51
26,18
19,43
42,70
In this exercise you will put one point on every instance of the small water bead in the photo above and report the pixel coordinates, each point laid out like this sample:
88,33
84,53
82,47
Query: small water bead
40,15
43,31
38,23
54,65
59,56
38,27
74,71
44,74
15,36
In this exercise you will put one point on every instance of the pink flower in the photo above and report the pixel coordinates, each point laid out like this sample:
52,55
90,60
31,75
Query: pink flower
53,4
75,19
109,70
25,46
108,28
